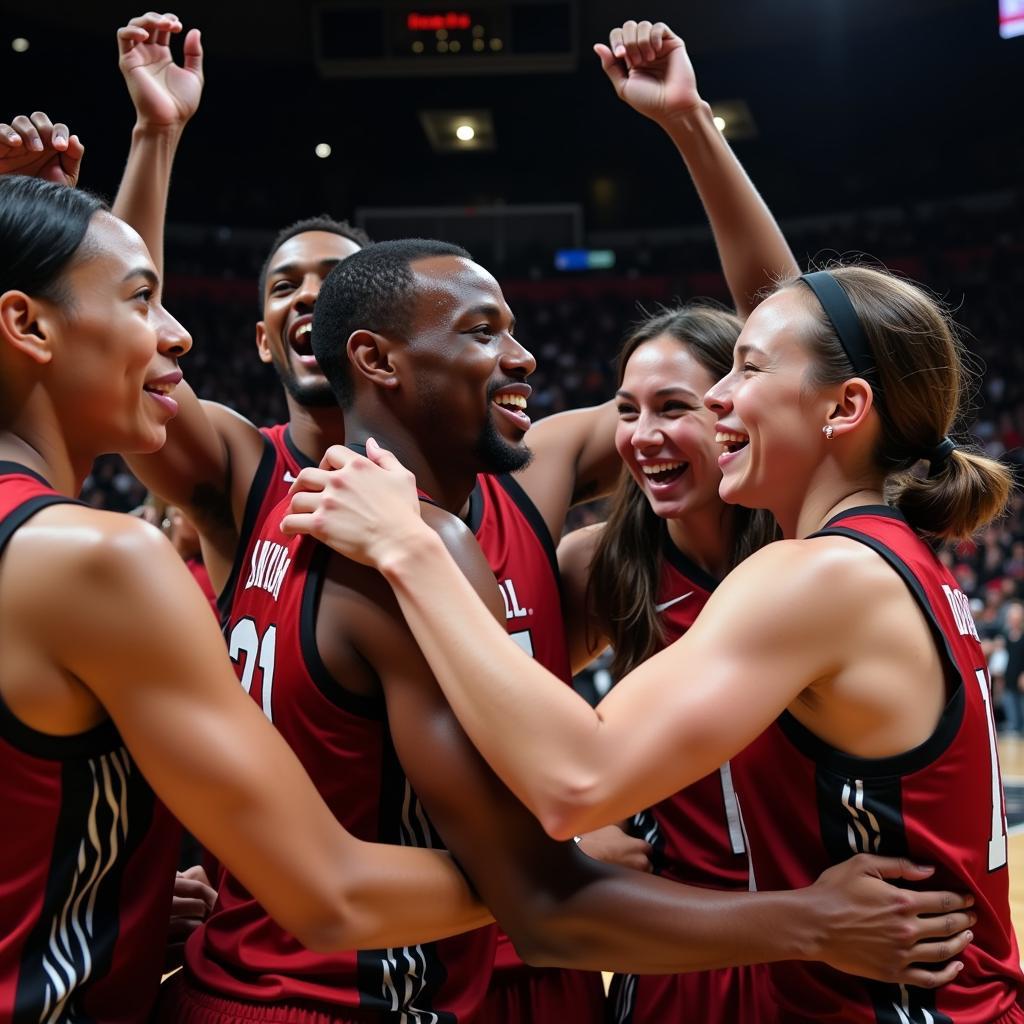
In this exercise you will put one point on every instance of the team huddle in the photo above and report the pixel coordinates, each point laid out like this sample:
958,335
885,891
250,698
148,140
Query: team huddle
408,814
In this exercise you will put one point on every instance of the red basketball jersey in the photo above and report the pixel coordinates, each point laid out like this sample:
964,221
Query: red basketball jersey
697,838
87,862
343,742
807,806
279,465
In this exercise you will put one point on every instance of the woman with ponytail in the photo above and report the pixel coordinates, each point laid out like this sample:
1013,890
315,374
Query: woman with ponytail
838,668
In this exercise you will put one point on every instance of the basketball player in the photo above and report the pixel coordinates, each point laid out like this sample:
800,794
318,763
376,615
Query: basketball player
100,695
842,661
637,582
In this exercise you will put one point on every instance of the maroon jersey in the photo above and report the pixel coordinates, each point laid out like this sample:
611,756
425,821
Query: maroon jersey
518,547
808,806
697,838
87,862
343,742
279,465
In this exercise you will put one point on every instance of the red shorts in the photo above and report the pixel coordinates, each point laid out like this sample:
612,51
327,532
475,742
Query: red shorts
726,996
544,995
181,1003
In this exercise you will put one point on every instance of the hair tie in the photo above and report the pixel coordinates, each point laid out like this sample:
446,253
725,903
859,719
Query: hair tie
938,456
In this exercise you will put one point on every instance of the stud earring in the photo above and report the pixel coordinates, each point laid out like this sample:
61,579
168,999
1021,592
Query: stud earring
828,432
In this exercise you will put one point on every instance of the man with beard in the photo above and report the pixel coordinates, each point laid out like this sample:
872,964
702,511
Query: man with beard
417,342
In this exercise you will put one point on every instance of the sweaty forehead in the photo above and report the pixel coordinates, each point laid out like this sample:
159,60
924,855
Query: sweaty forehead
313,247
446,285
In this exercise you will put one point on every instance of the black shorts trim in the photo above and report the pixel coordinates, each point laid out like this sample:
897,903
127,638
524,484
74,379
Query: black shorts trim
257,492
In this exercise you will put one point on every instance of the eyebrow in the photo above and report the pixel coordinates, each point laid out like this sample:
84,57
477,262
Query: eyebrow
671,389
490,310
292,268
145,272
746,348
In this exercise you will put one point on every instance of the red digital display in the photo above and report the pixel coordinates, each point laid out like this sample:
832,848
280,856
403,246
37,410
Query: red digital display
418,22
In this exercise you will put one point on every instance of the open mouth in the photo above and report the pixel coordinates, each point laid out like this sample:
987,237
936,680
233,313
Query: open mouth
300,337
731,441
661,473
512,404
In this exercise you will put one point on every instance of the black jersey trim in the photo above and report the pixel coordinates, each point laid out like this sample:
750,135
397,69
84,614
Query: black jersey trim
885,511
100,739
17,469
525,505
682,564
952,715
257,492
475,515
331,688
300,457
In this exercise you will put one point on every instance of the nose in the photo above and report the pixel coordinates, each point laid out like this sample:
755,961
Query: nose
717,398
646,433
308,290
516,359
172,338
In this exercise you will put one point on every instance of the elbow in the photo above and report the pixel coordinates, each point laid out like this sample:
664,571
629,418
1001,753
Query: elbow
330,926
540,941
571,811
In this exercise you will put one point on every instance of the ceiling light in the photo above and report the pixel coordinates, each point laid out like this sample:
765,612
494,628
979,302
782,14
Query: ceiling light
465,133
323,150
19,45
720,123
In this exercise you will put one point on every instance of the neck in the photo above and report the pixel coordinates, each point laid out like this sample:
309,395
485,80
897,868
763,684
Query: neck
314,430
43,453
447,484
824,499
706,537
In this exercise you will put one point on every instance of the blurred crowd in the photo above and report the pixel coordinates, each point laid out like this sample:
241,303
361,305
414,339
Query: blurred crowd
970,252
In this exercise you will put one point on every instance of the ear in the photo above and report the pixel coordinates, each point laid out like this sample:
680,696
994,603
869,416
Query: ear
370,354
851,407
262,348
28,325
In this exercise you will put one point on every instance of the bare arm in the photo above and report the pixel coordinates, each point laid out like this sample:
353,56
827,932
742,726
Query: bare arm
649,67
584,635
561,907
115,604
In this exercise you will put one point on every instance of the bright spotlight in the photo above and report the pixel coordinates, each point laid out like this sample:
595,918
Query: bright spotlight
720,123
323,150
465,133
19,45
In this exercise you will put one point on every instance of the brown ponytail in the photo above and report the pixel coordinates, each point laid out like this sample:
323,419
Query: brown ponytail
923,383
623,585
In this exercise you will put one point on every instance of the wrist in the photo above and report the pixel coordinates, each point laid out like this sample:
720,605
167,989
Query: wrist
144,129
809,926
401,556
689,121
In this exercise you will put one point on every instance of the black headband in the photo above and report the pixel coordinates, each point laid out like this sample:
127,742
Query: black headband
843,317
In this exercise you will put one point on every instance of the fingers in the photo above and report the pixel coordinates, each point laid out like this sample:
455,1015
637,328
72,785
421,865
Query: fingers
937,902
169,24
189,907
381,456
147,28
337,456
945,925
198,872
610,66
939,952
28,130
305,502
296,523
924,978
194,52
891,867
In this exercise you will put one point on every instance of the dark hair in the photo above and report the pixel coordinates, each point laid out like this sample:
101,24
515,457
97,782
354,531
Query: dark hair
42,228
923,382
300,227
626,569
371,290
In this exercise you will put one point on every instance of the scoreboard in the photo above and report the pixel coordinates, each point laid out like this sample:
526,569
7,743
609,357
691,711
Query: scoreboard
357,38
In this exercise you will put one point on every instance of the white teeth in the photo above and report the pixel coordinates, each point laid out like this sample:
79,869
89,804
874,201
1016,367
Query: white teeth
159,389
660,467
728,437
304,329
514,400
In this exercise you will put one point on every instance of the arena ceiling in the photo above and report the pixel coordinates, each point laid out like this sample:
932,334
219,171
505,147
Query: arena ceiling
857,102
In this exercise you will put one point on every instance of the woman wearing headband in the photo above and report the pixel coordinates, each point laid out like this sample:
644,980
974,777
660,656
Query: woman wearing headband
838,668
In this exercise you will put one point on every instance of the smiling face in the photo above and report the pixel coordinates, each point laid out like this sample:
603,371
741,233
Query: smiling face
468,372
769,420
665,435
116,347
294,276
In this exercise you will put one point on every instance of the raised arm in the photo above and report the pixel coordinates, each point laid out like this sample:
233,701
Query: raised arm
113,601
651,71
562,908
165,97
